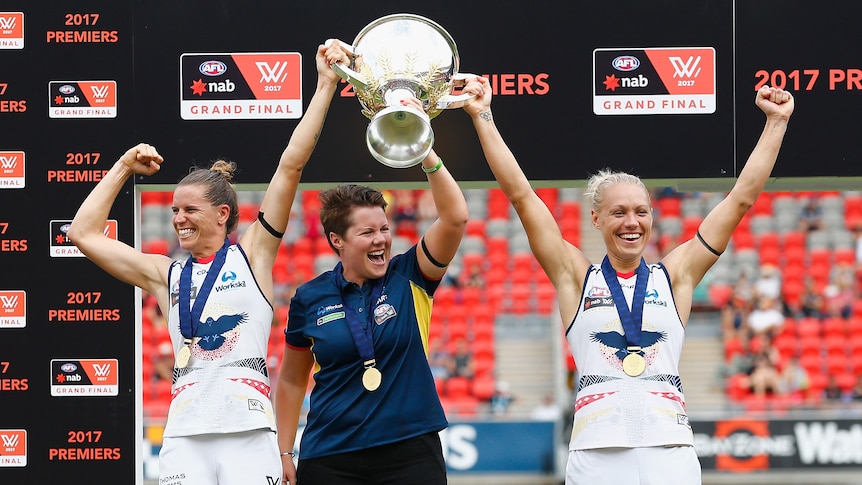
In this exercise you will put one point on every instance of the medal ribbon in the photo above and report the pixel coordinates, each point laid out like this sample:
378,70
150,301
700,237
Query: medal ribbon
632,320
361,332
190,317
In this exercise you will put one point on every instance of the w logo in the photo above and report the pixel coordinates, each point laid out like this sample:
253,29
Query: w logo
8,162
100,92
9,302
272,74
102,370
686,69
7,23
10,440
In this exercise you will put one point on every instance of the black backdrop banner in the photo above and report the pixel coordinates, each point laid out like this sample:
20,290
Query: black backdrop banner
663,89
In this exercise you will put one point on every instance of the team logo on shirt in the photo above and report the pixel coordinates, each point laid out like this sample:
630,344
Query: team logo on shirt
613,345
598,296
326,314
229,282
384,312
652,298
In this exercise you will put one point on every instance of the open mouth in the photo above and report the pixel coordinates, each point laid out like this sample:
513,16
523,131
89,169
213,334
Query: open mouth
376,257
185,232
630,236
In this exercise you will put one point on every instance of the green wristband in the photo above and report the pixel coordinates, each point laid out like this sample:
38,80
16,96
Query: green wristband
434,168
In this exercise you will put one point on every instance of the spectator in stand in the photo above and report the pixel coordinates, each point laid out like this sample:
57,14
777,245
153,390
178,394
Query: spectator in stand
502,399
811,215
838,296
743,286
764,378
439,359
151,311
474,277
462,360
768,284
163,362
547,410
833,393
404,216
425,208
811,300
856,392
766,320
795,381
734,318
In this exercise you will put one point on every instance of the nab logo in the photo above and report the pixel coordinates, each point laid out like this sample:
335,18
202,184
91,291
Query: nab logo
13,447
13,309
11,30
12,170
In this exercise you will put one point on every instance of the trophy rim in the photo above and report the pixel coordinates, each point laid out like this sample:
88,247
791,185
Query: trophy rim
412,16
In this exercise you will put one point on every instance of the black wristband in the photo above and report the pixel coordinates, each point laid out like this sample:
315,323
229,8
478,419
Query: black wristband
269,228
428,254
707,246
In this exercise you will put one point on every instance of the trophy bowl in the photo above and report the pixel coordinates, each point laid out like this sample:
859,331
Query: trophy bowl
393,58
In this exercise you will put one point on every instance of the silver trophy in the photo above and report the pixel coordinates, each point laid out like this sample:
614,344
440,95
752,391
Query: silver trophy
396,57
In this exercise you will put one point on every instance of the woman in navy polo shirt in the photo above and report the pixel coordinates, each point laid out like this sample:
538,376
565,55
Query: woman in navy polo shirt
362,328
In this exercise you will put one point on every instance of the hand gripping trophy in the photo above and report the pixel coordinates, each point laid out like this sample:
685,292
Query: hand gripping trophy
396,57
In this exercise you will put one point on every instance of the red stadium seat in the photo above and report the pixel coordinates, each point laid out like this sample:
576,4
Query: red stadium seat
483,388
457,387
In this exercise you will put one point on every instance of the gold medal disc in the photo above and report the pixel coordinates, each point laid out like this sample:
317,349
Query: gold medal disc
634,364
183,356
371,378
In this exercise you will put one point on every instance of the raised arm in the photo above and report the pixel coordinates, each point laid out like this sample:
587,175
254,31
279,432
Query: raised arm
259,242
444,235
127,264
564,263
689,262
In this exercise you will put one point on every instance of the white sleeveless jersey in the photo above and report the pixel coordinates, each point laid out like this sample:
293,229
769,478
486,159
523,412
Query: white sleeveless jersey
225,387
613,409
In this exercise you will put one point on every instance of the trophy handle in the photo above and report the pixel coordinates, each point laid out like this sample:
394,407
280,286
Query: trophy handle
451,101
345,72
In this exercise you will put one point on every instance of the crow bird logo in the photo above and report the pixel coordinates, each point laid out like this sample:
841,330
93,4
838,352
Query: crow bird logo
211,332
616,340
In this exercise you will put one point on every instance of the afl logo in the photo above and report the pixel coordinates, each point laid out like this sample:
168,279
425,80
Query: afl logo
626,63
69,367
66,89
212,68
65,228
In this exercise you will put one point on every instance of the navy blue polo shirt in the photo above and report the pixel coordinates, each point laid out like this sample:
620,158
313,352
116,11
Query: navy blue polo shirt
343,415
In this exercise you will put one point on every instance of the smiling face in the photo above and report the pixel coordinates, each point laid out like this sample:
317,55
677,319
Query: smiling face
624,217
200,226
365,246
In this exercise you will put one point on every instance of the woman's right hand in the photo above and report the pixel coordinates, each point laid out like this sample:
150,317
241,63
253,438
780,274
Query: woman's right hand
142,159
480,88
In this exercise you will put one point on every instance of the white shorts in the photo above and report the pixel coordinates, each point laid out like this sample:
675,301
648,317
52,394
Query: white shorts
655,465
223,459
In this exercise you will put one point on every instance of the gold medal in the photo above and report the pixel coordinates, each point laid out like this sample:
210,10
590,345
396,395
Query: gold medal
371,378
184,355
634,364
